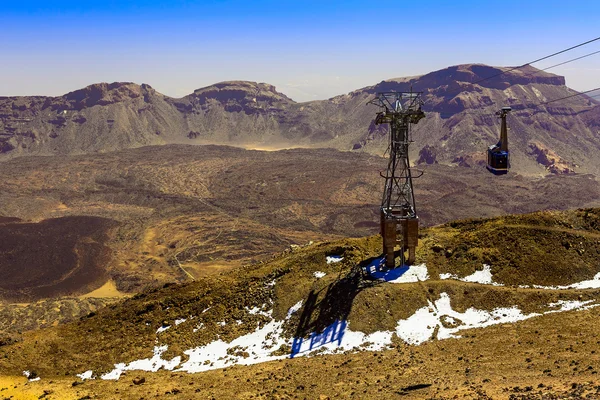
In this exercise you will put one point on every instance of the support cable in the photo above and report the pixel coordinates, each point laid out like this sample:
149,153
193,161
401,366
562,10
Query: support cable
529,63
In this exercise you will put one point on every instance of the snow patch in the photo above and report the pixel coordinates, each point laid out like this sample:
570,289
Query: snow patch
293,309
593,283
259,311
248,349
569,305
438,320
319,274
421,326
180,321
484,277
148,364
333,259
414,273
163,328
28,374
85,375
337,338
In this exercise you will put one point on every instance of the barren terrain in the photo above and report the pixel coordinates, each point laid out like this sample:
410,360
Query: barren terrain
543,265
460,102
178,213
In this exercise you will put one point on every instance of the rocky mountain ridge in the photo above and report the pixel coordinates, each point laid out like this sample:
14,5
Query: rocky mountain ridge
459,104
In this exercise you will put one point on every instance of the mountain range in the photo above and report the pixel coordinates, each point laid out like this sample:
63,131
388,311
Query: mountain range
460,102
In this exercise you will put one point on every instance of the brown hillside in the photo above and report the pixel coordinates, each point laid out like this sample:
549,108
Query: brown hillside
554,349
460,121
63,256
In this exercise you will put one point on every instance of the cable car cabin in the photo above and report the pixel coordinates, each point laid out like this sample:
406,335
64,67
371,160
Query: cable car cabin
498,160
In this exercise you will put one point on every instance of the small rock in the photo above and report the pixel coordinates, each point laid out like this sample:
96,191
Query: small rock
437,248
138,381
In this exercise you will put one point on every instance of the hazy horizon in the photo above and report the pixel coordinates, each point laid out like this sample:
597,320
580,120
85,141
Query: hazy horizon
309,50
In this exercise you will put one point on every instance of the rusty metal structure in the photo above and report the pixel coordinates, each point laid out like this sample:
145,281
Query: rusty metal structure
399,220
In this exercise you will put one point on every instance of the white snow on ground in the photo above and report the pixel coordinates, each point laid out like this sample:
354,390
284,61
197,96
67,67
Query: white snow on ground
294,308
272,283
28,374
337,339
163,328
148,364
334,259
180,321
420,327
254,347
571,305
85,375
258,311
415,273
484,277
319,274
593,283
268,343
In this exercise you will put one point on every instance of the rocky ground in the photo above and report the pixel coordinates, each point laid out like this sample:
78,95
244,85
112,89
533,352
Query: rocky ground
536,262
459,103
178,213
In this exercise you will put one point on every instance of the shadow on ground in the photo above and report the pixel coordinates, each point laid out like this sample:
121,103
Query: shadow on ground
324,316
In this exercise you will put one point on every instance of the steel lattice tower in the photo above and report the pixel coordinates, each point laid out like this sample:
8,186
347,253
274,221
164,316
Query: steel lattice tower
399,220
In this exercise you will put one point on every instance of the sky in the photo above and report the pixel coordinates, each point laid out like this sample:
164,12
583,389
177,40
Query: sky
309,50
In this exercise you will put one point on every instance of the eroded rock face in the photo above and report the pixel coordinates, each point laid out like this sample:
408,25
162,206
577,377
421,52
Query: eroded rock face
550,160
471,160
459,107
103,94
427,155
241,96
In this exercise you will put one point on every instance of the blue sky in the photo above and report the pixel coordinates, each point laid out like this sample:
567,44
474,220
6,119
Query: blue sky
308,49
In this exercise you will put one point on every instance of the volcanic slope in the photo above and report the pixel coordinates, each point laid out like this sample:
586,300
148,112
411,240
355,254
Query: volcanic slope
560,137
500,307
55,257
181,212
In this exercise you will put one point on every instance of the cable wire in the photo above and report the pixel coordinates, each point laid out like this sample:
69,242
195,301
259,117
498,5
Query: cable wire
567,97
531,62
571,60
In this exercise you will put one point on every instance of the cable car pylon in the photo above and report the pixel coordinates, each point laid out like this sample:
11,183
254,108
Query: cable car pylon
399,220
